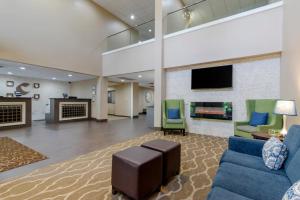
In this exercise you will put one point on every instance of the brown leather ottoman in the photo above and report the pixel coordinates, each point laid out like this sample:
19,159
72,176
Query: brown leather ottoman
171,156
136,172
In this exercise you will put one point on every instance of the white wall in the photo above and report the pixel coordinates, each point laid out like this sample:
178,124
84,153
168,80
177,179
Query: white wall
142,101
290,70
84,89
134,59
255,34
252,80
48,89
65,34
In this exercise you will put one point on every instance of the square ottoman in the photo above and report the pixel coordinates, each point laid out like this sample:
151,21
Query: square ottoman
171,156
136,172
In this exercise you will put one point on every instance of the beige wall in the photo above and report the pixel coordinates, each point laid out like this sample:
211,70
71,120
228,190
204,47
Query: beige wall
65,34
255,34
134,59
83,89
290,69
142,101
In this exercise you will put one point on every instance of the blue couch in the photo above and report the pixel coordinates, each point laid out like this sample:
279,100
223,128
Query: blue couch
242,174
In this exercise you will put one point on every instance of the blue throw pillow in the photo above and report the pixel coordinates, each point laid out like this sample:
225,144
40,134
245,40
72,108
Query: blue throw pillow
258,119
293,192
173,113
274,153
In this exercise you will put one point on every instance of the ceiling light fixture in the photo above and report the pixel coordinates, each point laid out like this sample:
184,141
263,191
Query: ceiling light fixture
9,73
150,30
53,78
122,80
140,76
22,68
132,17
70,75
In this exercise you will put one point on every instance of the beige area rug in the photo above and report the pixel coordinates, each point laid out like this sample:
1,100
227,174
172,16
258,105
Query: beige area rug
88,176
14,154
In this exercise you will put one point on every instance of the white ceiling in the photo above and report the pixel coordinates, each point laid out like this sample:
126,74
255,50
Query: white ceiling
33,71
146,80
144,10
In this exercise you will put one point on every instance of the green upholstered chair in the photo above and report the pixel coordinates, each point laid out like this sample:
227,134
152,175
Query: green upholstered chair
243,128
173,124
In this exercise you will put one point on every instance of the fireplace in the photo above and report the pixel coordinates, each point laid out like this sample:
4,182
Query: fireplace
211,110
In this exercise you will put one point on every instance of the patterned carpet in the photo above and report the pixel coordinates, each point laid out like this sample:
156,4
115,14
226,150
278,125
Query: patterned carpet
14,154
88,176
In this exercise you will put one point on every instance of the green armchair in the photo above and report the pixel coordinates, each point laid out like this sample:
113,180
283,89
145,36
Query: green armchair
173,124
243,129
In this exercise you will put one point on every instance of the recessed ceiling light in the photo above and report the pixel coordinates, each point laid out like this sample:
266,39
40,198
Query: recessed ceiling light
122,80
9,73
70,75
150,30
22,68
140,76
53,78
132,17
140,41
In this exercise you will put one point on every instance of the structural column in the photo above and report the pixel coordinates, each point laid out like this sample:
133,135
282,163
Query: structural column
101,99
290,66
159,74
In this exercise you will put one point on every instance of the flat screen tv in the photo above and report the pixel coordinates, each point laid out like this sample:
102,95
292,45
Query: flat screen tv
213,77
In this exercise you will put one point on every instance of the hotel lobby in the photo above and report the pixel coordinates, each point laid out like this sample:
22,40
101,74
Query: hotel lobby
149,99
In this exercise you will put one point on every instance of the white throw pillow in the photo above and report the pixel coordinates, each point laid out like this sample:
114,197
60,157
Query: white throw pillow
293,193
274,153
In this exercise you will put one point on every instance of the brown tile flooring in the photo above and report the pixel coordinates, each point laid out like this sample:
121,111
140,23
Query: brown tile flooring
61,142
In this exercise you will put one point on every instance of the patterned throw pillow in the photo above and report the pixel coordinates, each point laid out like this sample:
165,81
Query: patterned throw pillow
274,153
293,193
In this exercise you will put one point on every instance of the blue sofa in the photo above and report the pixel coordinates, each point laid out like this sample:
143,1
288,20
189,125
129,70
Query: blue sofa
242,174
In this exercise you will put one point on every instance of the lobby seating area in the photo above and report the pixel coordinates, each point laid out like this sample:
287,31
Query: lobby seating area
149,100
242,174
245,129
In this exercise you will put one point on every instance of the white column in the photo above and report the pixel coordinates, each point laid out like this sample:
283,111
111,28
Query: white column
290,66
159,74
101,99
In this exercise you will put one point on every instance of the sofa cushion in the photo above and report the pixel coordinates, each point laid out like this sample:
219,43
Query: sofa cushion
274,153
250,161
218,193
251,183
173,113
258,119
247,128
293,192
293,169
292,141
174,121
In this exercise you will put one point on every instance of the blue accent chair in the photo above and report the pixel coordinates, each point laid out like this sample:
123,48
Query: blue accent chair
242,174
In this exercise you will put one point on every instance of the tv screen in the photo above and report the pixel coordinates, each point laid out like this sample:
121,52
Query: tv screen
213,77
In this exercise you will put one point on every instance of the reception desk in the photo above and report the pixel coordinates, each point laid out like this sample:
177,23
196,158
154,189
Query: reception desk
66,110
15,112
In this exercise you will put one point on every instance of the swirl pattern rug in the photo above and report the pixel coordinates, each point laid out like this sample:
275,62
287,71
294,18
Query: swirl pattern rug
88,176
14,154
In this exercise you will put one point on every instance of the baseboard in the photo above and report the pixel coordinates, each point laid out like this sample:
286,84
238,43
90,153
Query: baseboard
100,120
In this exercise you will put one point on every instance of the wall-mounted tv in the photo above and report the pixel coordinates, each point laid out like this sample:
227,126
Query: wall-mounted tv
213,77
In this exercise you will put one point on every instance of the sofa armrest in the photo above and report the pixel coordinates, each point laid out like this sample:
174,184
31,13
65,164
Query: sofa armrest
248,146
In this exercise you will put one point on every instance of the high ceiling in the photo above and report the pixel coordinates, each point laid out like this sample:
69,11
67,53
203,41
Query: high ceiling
145,78
32,71
143,10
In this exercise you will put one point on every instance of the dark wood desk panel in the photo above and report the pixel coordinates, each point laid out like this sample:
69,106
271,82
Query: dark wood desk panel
12,104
